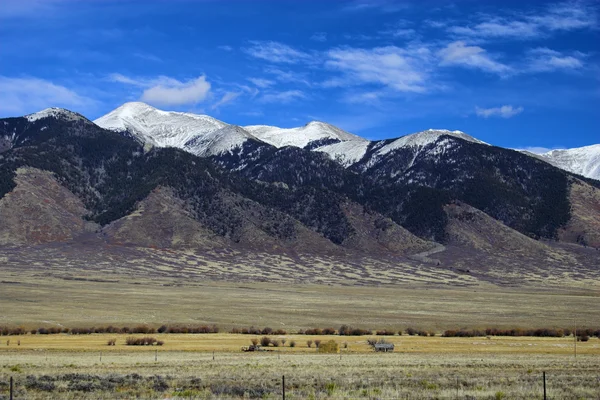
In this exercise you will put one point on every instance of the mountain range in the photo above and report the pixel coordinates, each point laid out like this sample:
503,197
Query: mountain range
142,178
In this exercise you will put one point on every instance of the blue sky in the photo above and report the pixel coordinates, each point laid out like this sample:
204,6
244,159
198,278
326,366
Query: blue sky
516,74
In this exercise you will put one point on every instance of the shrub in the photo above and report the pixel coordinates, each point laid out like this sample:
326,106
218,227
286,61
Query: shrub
317,343
160,342
275,342
111,342
346,330
143,341
292,344
309,343
162,329
328,331
283,341
236,330
329,347
254,341
583,338
266,331
265,341
411,331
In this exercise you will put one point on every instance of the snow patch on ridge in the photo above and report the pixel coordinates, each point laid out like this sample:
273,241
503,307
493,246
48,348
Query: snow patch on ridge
582,160
301,136
54,112
346,153
424,138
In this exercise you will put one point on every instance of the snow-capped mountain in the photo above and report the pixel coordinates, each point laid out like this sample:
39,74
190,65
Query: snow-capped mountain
205,136
55,112
157,127
582,160
315,133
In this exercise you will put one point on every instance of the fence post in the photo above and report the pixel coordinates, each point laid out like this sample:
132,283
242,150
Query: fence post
457,387
544,375
11,388
155,355
283,386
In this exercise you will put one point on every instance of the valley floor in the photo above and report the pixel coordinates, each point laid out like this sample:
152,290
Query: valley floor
68,367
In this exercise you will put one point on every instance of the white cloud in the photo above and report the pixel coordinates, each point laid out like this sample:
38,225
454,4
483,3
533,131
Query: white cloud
261,83
276,52
386,6
173,92
288,76
164,90
120,78
459,53
283,97
225,48
147,57
19,96
403,33
498,28
227,98
506,111
566,16
545,60
399,69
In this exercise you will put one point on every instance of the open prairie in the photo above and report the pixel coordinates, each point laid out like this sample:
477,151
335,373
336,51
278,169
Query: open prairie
76,367
84,300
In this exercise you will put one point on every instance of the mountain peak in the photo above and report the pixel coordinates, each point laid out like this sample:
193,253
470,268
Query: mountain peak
55,112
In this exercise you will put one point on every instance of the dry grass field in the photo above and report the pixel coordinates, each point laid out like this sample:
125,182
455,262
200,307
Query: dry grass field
84,367
32,301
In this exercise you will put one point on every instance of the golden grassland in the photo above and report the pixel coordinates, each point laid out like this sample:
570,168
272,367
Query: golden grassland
32,301
84,367
228,343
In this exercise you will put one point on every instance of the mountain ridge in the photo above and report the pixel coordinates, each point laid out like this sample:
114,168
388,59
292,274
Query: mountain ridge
168,130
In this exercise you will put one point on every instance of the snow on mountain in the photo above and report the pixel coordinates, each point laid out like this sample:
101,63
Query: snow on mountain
346,153
218,142
54,112
302,136
582,160
424,138
157,127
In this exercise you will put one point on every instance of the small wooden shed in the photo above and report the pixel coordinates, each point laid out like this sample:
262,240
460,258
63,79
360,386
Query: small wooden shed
384,347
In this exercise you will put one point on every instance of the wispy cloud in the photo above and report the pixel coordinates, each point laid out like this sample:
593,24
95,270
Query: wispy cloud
288,76
147,57
567,16
319,37
543,59
225,48
276,52
227,98
393,67
460,54
506,111
386,6
282,97
261,82
19,96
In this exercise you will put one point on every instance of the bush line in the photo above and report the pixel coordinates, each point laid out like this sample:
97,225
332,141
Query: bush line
344,330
